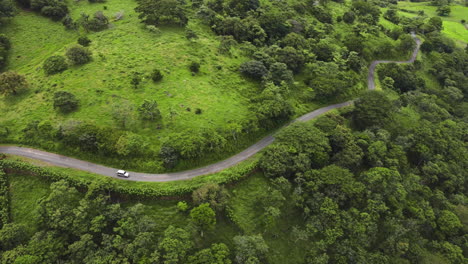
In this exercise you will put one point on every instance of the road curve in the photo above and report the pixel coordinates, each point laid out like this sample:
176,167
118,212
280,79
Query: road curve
63,161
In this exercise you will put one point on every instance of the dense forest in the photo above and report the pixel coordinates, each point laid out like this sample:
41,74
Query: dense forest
384,180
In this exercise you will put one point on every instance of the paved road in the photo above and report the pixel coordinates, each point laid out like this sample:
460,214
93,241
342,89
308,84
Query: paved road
63,161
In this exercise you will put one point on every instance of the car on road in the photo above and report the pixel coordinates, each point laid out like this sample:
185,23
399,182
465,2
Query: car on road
122,173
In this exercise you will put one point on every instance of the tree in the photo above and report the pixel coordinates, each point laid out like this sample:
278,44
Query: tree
448,222
12,83
213,194
169,156
203,218
7,9
374,108
443,10
216,254
279,73
97,23
66,102
149,110
55,64
349,17
78,55
253,69
250,249
175,245
392,15
161,12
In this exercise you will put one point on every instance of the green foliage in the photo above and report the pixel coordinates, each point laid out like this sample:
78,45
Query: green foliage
194,67
374,108
253,69
182,206
203,218
7,9
55,9
443,10
84,41
174,245
161,12
55,64
250,249
4,203
156,75
12,83
216,254
78,55
66,102
297,148
213,194
149,110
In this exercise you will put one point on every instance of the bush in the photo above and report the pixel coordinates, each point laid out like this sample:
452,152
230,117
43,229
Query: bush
138,189
5,42
12,83
194,67
97,23
66,102
156,75
149,110
84,41
55,64
253,69
4,199
78,55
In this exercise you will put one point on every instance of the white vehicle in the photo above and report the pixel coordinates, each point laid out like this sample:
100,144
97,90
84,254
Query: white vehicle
122,173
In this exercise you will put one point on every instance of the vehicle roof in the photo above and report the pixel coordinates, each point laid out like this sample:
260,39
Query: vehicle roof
121,171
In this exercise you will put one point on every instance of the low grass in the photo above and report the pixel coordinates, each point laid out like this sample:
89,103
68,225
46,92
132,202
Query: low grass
453,28
25,192
244,204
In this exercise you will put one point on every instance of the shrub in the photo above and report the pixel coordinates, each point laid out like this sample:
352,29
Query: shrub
4,199
66,102
153,29
156,75
182,206
12,83
84,41
68,23
149,110
55,64
5,42
190,34
253,69
97,23
136,79
194,67
78,55
198,111
56,12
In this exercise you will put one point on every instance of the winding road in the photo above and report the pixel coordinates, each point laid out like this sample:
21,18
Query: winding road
63,161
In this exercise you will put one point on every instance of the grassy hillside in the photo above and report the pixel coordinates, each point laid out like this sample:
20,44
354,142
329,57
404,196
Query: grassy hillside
453,27
104,83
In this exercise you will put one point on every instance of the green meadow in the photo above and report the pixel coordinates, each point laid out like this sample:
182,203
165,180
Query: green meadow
453,27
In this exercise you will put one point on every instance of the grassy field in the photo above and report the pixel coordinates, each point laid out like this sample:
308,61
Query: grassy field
25,192
453,27
104,84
